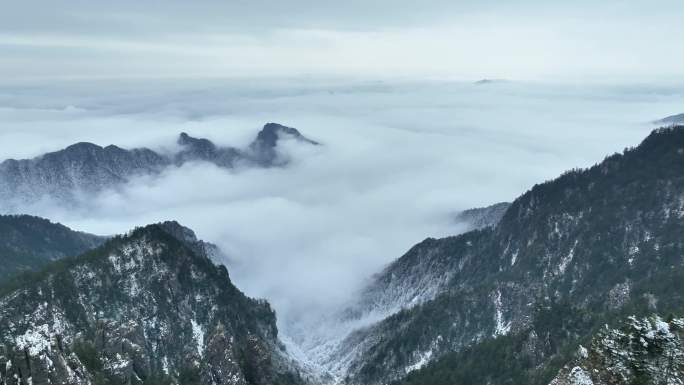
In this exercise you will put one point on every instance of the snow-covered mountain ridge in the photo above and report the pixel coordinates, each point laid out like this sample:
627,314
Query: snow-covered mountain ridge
83,169
145,308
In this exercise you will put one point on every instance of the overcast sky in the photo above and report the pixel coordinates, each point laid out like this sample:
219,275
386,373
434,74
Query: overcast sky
525,39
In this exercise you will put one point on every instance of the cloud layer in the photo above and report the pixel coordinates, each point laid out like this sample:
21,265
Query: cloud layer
398,160
523,39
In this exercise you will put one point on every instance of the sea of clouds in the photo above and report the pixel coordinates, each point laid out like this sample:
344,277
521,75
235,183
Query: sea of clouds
398,160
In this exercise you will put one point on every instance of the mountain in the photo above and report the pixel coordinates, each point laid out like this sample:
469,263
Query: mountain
199,149
190,240
490,81
144,308
673,119
401,285
648,350
408,282
645,350
263,148
28,243
580,281
568,256
483,217
83,169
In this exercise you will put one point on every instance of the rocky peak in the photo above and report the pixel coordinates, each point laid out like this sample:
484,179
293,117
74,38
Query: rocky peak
263,148
190,240
83,147
271,132
179,231
201,149
268,136
143,308
199,145
67,174
90,152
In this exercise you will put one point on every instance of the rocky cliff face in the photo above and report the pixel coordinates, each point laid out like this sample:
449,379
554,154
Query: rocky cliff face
29,243
596,241
83,169
641,351
145,308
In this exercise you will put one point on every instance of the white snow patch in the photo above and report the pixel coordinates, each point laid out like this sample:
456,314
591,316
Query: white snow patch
198,335
165,365
114,260
514,257
118,363
423,359
502,327
565,261
583,353
662,327
579,376
35,340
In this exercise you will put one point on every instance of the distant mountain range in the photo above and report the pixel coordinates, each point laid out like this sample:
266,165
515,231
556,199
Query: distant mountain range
490,81
85,168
